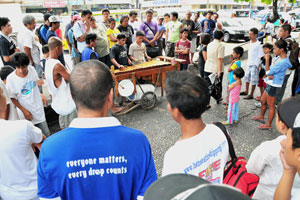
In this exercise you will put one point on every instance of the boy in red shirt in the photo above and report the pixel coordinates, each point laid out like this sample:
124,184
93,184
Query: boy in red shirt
183,49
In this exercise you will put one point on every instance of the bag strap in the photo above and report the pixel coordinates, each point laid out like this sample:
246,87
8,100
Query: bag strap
231,148
149,27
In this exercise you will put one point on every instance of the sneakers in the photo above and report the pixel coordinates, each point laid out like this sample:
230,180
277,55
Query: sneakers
258,105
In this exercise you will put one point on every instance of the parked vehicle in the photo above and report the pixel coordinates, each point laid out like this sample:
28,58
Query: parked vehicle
233,30
249,23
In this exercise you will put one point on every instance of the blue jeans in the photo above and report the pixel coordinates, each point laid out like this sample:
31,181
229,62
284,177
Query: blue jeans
233,112
44,127
184,66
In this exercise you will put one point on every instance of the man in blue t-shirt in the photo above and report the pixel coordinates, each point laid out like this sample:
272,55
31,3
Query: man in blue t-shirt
208,25
96,157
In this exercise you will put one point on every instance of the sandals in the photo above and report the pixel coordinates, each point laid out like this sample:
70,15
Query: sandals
248,97
264,127
225,123
243,94
256,118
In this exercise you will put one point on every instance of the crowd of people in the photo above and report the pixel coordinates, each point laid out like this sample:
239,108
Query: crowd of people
94,156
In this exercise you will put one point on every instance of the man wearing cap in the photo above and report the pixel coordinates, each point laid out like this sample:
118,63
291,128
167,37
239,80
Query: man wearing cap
82,28
202,150
68,27
28,44
96,157
44,28
265,159
54,25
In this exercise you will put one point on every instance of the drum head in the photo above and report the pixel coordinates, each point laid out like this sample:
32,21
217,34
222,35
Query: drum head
126,87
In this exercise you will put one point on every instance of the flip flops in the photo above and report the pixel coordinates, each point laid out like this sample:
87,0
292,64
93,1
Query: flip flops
255,118
243,94
248,97
264,127
225,123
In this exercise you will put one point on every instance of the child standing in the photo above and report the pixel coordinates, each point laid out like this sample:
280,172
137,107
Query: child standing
183,49
266,61
118,54
234,97
137,50
235,63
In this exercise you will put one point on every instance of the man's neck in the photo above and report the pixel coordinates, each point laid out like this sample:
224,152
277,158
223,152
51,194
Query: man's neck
148,21
53,29
253,40
4,33
85,113
53,55
130,20
190,128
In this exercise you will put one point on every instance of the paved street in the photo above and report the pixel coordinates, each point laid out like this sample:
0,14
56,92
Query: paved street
163,132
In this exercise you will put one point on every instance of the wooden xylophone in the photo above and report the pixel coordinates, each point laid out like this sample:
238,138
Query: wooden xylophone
148,69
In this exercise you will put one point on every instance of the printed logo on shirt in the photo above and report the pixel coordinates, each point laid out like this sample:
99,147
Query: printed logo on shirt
123,54
181,47
101,166
27,88
208,173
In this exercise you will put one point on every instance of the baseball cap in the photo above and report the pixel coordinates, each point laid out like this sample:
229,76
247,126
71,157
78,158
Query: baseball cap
74,13
289,110
190,187
54,19
76,17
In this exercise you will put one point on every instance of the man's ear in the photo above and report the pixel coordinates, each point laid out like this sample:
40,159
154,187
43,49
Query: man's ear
176,114
110,98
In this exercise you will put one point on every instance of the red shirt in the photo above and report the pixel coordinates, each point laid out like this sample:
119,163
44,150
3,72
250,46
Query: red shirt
182,45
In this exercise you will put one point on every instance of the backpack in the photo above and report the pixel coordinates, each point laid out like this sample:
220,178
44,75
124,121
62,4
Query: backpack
293,47
38,34
235,173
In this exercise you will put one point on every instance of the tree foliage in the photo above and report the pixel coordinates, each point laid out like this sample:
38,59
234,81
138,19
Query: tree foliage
274,3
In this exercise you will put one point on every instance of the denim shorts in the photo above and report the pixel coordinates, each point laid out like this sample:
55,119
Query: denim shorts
270,90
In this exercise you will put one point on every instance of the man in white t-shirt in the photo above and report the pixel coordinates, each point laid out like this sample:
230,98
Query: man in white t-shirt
28,44
18,161
57,78
134,23
22,85
202,150
255,52
82,28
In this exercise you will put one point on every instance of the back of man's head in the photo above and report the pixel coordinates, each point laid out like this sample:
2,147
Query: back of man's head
5,71
187,92
218,34
90,84
54,42
287,27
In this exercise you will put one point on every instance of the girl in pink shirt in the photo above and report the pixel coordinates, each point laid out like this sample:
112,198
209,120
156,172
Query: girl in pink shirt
234,97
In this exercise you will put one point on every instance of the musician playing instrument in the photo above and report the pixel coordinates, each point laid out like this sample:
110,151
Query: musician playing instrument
118,54
137,50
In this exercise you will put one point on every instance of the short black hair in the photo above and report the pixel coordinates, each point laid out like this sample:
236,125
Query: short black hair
111,19
211,12
254,30
19,60
123,18
3,21
187,92
97,80
133,12
268,45
86,12
218,34
51,23
105,10
140,33
204,13
166,15
150,11
45,49
121,36
46,16
287,27
90,37
281,20
184,30
239,50
239,72
5,71
205,38
268,19
175,14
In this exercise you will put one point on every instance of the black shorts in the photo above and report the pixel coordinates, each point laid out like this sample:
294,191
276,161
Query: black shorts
270,90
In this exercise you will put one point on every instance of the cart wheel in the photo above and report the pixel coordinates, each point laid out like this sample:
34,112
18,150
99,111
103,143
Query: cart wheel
148,100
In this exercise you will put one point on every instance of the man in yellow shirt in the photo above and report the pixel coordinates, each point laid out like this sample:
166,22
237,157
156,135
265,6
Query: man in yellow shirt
112,32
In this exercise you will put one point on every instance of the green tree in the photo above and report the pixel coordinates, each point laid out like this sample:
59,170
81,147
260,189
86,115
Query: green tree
275,16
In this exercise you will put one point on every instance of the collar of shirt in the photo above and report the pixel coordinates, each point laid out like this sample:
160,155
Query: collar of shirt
95,122
6,37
